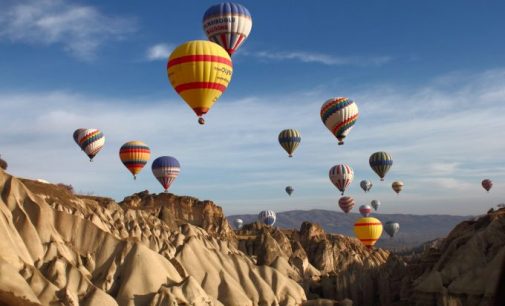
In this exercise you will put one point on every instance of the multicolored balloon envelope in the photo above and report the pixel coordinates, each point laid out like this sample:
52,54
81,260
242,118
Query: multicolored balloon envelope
375,204
134,155
391,228
339,115
368,230
397,186
365,210
289,190
267,217
227,24
346,204
289,140
239,223
91,141
341,176
381,162
487,184
366,185
166,169
200,72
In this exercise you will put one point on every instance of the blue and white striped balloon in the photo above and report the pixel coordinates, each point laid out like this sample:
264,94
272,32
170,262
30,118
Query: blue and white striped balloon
227,24
166,169
267,217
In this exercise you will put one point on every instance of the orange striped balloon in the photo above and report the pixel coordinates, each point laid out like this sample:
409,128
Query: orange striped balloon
368,230
134,155
200,72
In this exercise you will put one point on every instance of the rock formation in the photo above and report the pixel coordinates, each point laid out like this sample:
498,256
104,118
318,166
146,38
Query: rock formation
58,248
62,249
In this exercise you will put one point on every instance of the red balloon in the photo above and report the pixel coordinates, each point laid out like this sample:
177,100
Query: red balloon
487,184
346,203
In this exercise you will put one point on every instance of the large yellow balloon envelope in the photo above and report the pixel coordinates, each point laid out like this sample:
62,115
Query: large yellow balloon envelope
200,72
368,230
134,155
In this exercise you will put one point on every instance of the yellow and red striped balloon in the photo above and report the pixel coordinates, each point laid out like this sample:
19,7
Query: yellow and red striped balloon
368,230
134,155
200,72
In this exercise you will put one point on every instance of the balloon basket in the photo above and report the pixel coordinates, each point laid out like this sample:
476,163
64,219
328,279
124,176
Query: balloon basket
201,121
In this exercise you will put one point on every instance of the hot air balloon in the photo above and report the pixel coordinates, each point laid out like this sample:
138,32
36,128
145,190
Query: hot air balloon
238,223
166,169
76,136
381,162
366,185
391,228
487,184
267,217
346,203
289,190
365,210
91,142
227,24
339,115
397,186
341,176
368,230
289,140
375,204
134,155
200,72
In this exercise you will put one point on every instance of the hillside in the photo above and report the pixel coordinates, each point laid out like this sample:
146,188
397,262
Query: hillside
59,248
415,229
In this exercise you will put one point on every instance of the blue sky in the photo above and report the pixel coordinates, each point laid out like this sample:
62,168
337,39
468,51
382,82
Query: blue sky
428,78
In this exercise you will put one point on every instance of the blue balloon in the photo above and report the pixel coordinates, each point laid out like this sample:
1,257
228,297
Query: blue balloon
267,217
166,169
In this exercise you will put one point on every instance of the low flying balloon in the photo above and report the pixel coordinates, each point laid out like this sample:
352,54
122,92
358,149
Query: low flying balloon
346,204
289,140
227,24
267,217
200,72
365,210
487,184
91,142
366,185
289,190
375,204
134,155
339,115
391,228
341,176
239,223
368,230
397,186
381,162
76,135
166,169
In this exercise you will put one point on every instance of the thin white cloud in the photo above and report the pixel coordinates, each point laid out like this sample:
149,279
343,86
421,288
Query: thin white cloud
159,52
80,29
320,58
443,141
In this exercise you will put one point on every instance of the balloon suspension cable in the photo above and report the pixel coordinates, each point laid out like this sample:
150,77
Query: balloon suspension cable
201,120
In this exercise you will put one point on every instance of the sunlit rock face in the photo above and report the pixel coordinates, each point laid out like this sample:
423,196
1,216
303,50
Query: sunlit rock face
58,248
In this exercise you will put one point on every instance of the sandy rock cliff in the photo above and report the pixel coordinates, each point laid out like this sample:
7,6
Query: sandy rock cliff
61,249
58,248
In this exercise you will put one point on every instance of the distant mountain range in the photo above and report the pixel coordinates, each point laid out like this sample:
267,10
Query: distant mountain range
414,229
